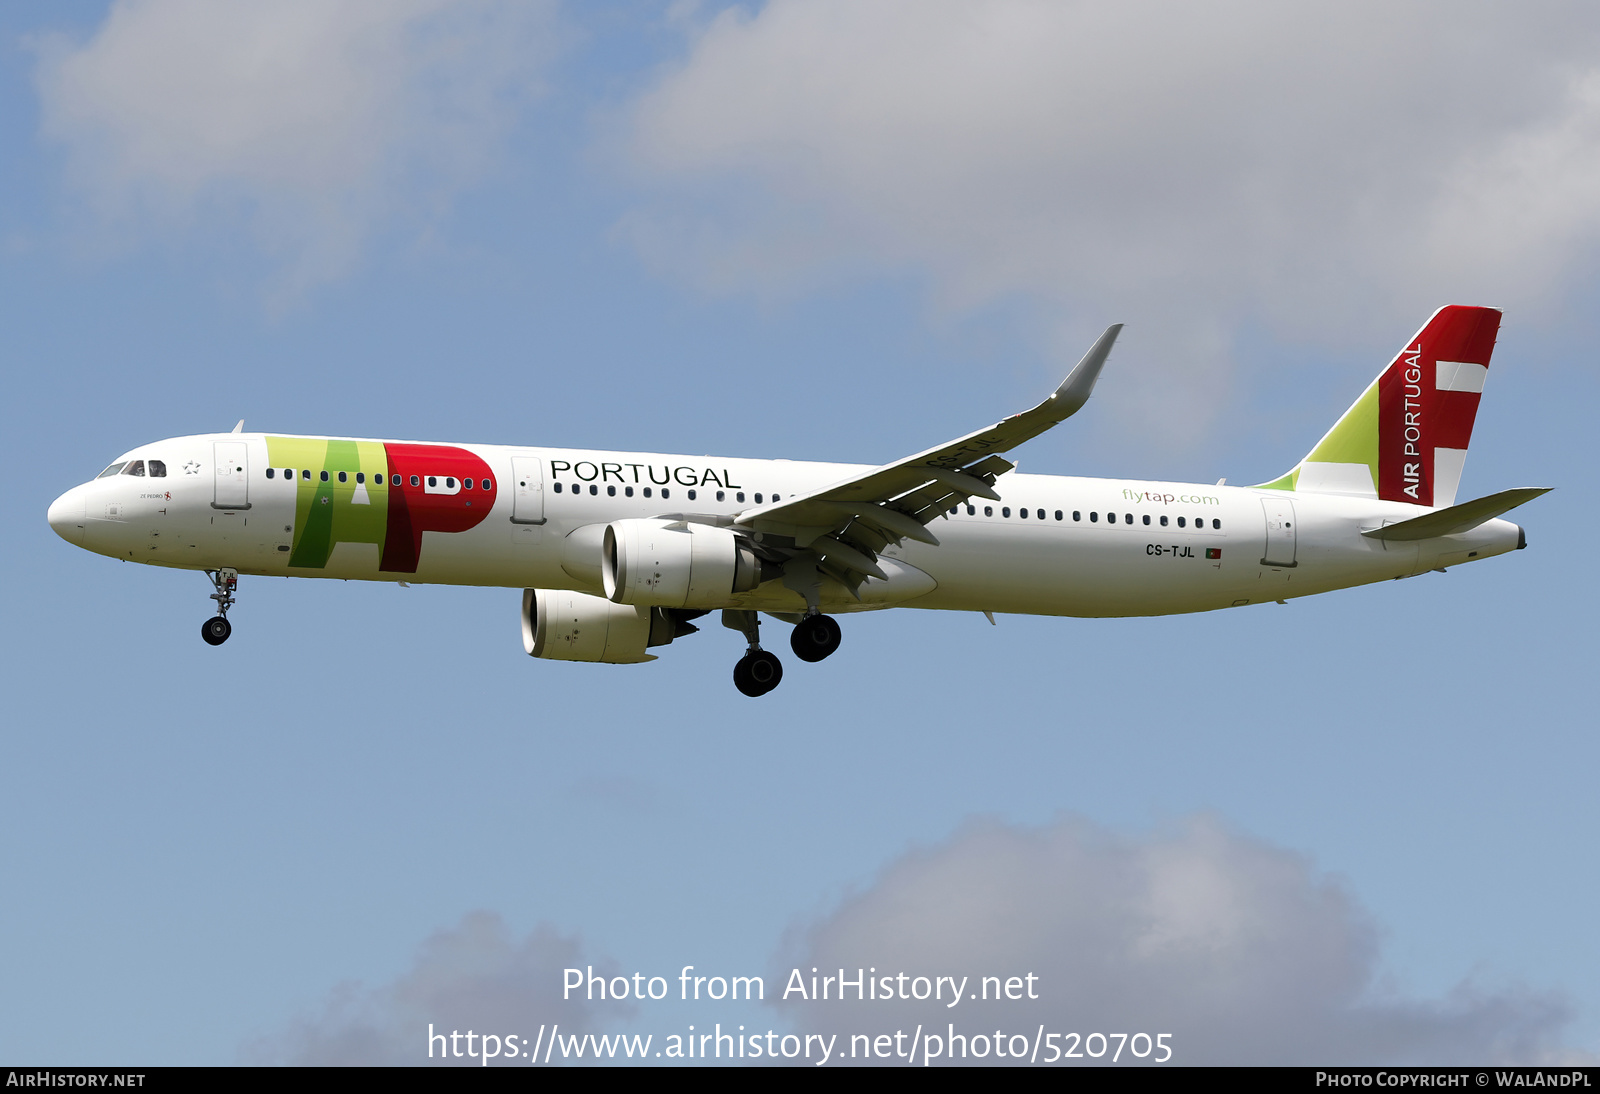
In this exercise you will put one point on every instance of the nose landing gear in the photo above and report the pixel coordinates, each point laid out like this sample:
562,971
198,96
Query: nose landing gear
216,630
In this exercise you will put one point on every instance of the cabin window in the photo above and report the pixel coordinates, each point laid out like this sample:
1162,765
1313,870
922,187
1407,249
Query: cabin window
323,475
611,491
450,482
1076,515
361,477
1094,518
1180,522
594,490
739,496
665,493
1040,514
1023,513
270,472
343,477
433,480
691,495
988,510
112,470
647,491
558,488
415,481
1216,523
1147,518
775,497
1058,514
1163,522
158,470
467,483
758,499
305,473
721,496
972,511
627,491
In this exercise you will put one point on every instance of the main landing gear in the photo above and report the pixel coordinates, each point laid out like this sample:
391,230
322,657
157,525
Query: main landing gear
815,637
759,671
216,629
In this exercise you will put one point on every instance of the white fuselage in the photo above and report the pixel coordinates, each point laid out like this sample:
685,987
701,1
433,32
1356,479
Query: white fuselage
1086,547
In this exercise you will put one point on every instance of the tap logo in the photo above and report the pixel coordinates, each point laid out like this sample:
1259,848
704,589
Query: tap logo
380,493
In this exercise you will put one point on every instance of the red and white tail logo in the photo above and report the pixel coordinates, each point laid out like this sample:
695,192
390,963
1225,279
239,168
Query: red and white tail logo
1427,402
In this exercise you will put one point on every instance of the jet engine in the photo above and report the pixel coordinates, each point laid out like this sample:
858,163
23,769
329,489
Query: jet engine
676,564
566,626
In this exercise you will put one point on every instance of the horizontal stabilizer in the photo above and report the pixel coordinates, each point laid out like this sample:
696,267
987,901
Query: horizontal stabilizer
1457,518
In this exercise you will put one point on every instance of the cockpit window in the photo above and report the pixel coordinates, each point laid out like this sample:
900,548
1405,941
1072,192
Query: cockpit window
112,470
158,469
136,467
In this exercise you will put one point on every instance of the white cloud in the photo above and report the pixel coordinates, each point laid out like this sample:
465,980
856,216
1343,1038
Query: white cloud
312,123
1326,170
475,976
1236,948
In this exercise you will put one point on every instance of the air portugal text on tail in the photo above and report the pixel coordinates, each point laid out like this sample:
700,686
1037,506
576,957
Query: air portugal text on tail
617,553
1406,438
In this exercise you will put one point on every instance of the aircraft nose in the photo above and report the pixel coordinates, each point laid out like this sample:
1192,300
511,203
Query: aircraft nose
66,516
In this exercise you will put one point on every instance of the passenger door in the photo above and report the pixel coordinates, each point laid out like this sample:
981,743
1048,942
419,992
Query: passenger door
232,475
1280,532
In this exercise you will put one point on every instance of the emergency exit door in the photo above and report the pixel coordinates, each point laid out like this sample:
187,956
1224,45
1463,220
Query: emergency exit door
527,486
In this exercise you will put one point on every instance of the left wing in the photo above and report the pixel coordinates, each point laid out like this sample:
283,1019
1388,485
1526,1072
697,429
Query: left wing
843,527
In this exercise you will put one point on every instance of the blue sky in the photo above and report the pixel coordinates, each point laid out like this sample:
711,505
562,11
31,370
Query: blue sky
837,232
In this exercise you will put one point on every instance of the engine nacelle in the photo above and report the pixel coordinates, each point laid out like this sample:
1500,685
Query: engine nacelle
568,626
675,564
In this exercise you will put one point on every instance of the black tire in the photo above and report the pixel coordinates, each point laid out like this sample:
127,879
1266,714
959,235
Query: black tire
216,630
815,637
741,678
766,671
757,673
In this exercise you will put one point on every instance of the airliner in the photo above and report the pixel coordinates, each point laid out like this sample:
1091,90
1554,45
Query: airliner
617,553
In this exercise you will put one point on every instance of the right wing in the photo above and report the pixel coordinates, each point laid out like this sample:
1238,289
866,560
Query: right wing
845,525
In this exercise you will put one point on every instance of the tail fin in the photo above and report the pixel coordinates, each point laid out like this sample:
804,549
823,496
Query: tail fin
1406,438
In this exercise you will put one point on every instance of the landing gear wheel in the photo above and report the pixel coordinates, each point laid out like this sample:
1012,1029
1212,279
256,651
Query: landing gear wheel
216,629
815,637
757,673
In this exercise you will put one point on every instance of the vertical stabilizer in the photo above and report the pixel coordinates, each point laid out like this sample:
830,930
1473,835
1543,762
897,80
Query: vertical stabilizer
1406,438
